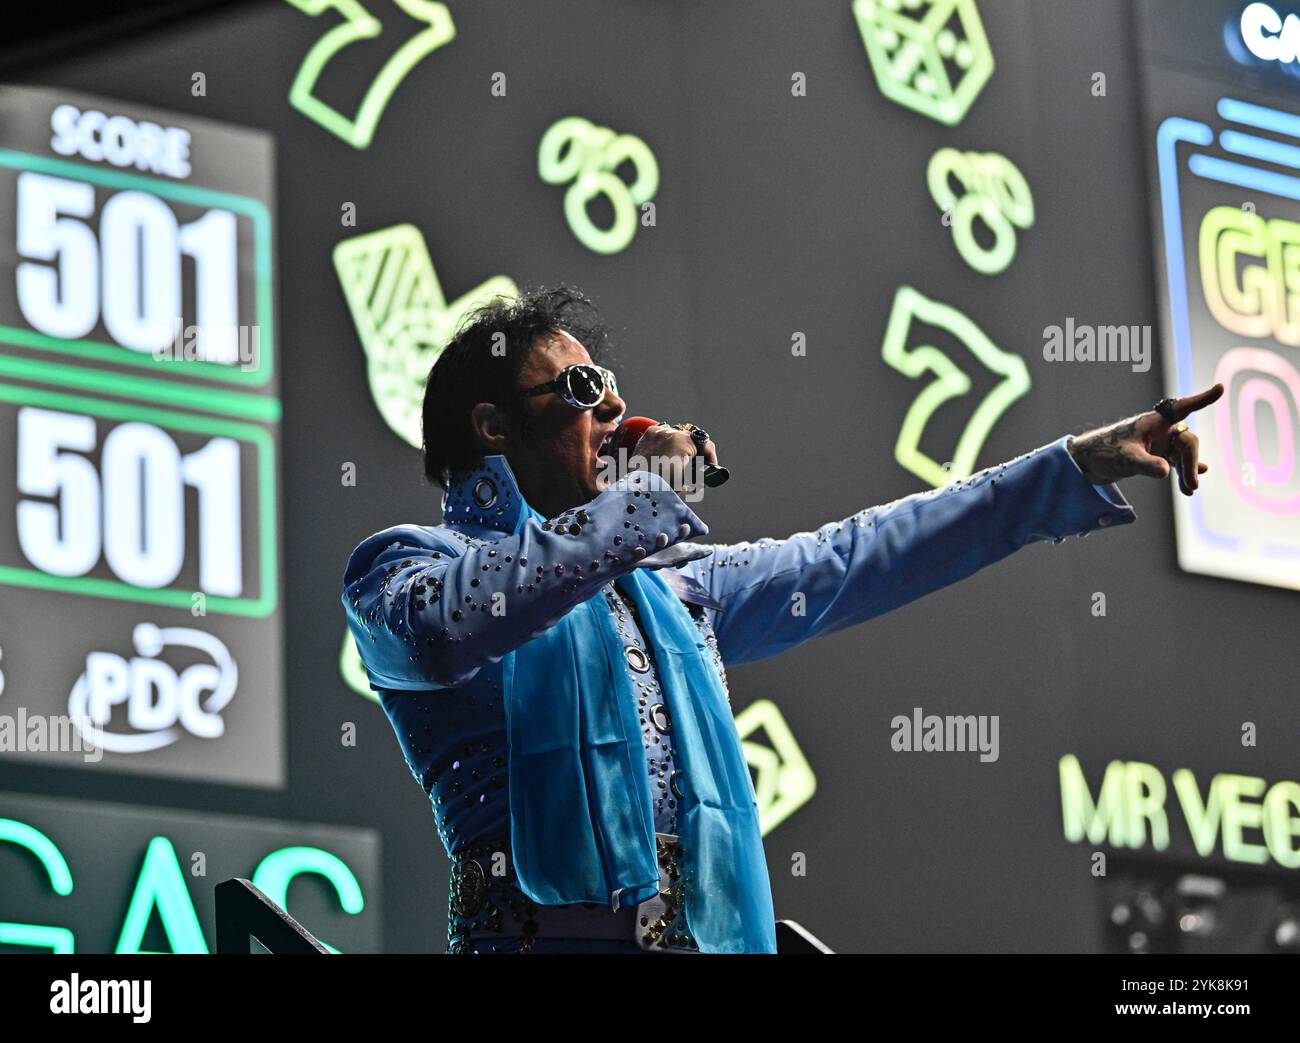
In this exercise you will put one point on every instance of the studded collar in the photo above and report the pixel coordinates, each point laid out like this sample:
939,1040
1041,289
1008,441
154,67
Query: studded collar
485,499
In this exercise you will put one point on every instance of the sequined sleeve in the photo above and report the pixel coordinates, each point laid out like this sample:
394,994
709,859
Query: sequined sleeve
428,607
776,594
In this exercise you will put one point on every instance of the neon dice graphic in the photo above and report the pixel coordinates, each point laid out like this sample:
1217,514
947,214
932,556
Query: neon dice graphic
930,55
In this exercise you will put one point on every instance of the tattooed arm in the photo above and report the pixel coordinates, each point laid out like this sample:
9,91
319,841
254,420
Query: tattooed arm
1142,445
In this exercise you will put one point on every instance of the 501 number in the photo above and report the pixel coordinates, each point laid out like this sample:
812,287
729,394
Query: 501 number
131,511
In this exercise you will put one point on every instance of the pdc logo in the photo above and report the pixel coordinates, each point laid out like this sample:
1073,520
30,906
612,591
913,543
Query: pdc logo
143,703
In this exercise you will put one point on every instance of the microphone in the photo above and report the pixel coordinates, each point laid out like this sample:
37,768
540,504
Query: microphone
629,433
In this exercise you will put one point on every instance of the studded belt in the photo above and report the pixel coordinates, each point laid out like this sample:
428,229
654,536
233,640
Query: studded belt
486,901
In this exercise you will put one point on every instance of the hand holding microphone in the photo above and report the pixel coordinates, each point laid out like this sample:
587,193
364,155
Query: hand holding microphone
657,443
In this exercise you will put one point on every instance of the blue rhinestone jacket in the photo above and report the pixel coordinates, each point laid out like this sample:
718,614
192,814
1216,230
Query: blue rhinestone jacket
434,609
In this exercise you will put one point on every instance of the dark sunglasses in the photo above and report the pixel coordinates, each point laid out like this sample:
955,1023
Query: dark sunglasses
581,385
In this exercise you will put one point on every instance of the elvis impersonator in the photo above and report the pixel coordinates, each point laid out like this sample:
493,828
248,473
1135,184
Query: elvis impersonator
551,655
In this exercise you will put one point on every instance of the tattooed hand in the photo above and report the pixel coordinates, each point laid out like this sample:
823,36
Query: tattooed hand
1141,445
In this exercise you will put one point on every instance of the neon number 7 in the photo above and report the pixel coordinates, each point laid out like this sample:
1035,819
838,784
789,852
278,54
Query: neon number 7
360,24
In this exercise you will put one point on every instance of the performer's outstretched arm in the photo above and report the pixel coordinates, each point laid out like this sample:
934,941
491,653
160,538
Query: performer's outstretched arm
778,593
420,603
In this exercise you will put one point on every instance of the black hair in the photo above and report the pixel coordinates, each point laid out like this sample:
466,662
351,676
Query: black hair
482,363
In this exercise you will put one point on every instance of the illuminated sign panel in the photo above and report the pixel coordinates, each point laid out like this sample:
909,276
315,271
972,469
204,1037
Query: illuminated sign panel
1243,818
1225,177
92,877
139,420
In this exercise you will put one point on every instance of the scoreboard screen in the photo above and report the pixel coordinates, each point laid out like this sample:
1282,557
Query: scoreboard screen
139,409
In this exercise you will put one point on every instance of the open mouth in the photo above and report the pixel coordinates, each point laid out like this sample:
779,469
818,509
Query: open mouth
598,457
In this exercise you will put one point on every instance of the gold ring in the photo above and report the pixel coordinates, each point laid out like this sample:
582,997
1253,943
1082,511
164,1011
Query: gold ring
1170,447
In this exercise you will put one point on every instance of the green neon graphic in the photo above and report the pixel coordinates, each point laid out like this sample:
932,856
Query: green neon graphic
254,209
161,885
574,149
994,191
916,55
785,780
360,24
38,936
278,869
949,382
402,318
263,605
351,670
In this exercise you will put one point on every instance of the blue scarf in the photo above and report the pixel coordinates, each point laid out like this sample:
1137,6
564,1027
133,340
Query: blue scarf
581,826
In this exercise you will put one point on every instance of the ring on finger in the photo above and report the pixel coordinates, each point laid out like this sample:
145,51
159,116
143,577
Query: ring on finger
1171,443
698,435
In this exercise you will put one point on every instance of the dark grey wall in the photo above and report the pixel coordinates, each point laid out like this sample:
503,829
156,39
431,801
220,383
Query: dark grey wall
776,214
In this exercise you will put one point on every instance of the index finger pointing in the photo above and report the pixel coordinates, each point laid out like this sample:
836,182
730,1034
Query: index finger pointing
1184,407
